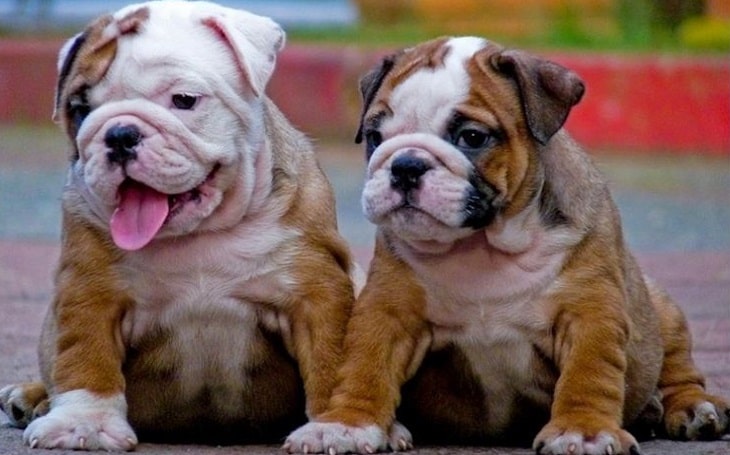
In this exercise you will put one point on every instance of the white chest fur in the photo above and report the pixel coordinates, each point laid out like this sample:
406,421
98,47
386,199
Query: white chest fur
208,295
490,303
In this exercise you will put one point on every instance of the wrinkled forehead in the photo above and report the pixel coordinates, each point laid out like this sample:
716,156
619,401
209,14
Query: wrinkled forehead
427,85
172,37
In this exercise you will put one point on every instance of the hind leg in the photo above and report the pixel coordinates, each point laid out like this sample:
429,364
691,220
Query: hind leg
689,411
23,402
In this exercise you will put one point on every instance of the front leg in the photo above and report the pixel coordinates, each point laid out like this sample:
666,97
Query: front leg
387,337
81,354
589,344
318,318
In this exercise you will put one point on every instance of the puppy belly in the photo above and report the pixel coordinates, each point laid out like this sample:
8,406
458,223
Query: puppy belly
517,384
212,377
475,393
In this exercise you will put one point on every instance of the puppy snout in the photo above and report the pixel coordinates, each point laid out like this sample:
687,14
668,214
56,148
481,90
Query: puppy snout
122,141
406,172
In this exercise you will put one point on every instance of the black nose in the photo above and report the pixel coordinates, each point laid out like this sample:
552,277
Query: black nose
406,171
122,140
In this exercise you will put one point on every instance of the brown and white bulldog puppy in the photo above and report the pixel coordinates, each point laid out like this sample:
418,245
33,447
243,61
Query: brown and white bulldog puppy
502,303
203,288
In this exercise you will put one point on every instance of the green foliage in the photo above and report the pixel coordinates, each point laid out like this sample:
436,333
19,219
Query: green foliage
705,33
630,26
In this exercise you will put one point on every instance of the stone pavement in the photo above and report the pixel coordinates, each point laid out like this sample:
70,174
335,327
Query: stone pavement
676,215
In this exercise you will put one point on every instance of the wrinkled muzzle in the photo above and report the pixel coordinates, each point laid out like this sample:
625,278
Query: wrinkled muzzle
145,171
423,188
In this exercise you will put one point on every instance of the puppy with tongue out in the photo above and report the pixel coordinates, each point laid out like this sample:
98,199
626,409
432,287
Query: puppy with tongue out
139,216
202,289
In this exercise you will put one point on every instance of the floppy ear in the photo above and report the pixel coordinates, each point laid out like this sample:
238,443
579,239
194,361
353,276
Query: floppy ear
369,85
255,42
548,91
85,58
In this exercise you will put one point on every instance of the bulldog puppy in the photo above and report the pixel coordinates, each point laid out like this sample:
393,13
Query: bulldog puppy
203,288
502,303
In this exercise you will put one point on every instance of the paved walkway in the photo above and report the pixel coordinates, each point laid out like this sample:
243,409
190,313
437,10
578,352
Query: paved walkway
676,214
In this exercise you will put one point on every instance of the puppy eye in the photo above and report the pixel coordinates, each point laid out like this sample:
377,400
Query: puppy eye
373,139
78,110
185,101
472,139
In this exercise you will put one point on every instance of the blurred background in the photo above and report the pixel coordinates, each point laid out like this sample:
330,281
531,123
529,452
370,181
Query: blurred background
700,25
656,115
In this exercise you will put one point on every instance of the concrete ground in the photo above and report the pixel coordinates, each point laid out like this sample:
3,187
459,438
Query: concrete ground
676,215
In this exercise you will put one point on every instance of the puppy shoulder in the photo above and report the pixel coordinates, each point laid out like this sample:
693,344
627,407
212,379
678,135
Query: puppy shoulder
300,184
575,190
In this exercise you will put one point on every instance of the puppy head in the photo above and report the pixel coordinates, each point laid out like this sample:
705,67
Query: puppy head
452,128
162,103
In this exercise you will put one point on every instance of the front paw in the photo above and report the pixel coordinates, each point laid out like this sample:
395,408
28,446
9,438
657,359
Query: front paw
557,439
705,417
334,438
81,420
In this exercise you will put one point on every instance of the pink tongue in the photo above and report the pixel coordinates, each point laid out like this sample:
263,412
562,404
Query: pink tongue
139,216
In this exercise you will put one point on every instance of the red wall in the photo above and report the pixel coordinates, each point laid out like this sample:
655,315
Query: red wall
662,104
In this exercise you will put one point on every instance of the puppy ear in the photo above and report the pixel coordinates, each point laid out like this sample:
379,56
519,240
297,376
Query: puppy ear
66,57
548,91
94,49
369,85
255,42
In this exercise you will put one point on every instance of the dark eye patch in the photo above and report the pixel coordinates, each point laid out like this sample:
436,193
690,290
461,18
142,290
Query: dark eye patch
67,64
78,108
372,139
370,131
471,136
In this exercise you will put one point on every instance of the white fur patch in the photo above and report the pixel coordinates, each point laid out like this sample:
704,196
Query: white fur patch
496,304
80,419
334,438
184,48
425,101
422,106
437,206
204,289
573,442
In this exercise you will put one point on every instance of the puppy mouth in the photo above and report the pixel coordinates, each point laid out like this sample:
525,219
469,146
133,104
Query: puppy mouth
409,209
142,211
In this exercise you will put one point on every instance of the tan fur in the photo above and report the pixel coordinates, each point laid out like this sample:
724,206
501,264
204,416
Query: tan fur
91,294
604,343
88,294
387,331
300,307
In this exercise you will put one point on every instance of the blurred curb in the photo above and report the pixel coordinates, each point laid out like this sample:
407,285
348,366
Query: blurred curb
638,103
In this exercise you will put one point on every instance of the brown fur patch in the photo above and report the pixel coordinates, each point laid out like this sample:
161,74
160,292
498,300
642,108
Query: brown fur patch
89,60
608,339
388,332
88,294
430,55
82,345
323,300
509,164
